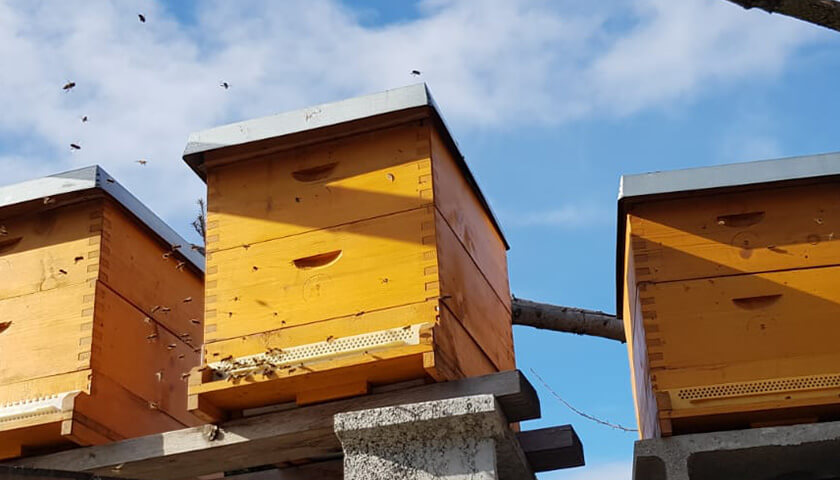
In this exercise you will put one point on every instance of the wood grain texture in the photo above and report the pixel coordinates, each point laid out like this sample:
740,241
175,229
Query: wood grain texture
143,270
141,356
462,211
456,355
730,234
319,186
49,249
471,299
50,333
383,263
301,433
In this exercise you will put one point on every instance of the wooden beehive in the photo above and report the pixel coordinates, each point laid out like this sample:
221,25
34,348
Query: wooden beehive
100,315
348,247
729,283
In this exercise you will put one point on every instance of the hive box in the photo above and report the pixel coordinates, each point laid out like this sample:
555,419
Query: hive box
100,312
348,247
729,283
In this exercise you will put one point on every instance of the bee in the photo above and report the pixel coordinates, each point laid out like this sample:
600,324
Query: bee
224,85
407,327
181,356
165,309
147,320
176,247
330,338
3,230
171,346
227,358
180,265
62,271
184,335
195,321
151,336
153,406
75,146
415,73
194,247
84,119
155,308
68,86
78,259
48,200
185,376
167,254
142,162
187,300
141,17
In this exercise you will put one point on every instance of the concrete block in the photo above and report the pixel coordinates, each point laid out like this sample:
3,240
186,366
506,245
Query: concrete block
796,452
457,439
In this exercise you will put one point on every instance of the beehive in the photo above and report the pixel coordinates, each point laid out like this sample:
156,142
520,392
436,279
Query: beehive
729,283
348,247
100,315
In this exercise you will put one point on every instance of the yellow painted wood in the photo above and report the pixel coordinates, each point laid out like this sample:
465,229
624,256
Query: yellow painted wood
69,331
370,265
459,206
145,271
747,232
318,187
48,250
50,333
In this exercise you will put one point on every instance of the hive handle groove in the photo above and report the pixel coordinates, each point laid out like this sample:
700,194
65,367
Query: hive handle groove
317,261
753,303
315,173
9,244
740,219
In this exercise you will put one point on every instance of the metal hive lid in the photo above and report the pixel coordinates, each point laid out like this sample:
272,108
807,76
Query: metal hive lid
327,115
95,178
710,180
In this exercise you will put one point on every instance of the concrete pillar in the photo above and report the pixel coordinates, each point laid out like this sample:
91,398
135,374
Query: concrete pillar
466,438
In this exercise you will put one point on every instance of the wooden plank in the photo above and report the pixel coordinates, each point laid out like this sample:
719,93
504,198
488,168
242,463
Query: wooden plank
471,299
318,186
746,232
49,249
302,433
360,267
25,473
647,410
463,212
144,358
551,448
50,333
144,271
456,354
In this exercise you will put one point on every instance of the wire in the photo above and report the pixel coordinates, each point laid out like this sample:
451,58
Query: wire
582,414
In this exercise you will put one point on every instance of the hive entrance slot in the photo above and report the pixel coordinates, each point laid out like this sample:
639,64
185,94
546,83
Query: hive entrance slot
740,219
9,243
753,303
317,261
315,173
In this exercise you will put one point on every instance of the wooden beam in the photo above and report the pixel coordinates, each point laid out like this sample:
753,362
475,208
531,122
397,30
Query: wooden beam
546,449
567,319
551,448
304,433
22,473
825,13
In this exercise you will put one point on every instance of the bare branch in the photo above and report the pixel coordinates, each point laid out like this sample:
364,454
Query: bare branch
200,223
567,319
825,13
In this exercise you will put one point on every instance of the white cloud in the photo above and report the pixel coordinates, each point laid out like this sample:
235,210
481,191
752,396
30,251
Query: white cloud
604,471
494,64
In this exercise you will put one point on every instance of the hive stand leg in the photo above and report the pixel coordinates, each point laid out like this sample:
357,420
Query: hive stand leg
457,439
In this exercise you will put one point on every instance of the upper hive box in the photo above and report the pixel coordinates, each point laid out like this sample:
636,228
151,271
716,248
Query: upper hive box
348,246
100,315
729,283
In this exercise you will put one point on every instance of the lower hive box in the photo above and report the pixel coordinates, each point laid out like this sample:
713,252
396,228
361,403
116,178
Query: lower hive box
100,316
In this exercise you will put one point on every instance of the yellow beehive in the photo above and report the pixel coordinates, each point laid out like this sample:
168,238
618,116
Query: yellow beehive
100,315
729,283
348,247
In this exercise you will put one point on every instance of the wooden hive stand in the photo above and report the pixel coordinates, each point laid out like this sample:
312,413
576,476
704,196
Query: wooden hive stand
100,315
728,282
348,246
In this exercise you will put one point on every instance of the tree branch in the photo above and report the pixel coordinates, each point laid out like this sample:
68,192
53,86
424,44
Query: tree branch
825,13
567,319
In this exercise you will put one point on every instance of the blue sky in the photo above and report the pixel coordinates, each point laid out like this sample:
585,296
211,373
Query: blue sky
550,102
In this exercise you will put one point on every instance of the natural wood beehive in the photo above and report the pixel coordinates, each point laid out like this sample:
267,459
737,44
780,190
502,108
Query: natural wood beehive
100,315
729,282
348,247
